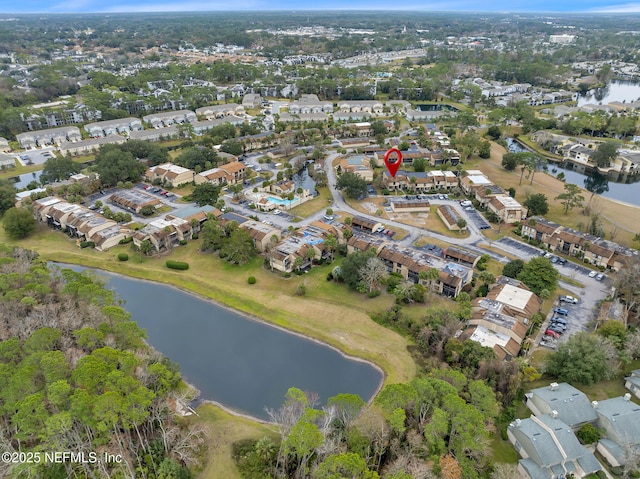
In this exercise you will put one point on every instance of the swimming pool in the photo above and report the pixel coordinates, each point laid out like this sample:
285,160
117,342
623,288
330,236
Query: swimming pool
279,201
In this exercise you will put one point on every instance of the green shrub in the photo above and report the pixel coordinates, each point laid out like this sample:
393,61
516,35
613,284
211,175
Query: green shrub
183,242
588,434
123,257
171,264
251,280
126,240
287,275
87,244
195,236
374,294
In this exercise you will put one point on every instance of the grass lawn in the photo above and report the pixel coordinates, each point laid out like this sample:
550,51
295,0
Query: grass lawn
225,430
502,451
319,203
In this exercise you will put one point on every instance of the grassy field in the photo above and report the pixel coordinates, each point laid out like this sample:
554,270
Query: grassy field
319,203
226,429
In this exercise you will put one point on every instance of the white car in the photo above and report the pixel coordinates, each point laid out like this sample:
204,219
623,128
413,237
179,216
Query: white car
592,274
276,212
568,299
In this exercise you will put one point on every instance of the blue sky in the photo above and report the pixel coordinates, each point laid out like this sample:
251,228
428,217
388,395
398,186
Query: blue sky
82,6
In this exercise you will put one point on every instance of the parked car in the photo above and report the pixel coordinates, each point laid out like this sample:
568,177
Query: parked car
556,329
599,277
552,333
561,311
562,326
592,274
568,299
548,343
558,319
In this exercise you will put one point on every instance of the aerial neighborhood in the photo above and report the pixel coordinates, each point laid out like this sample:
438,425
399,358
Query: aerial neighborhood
451,207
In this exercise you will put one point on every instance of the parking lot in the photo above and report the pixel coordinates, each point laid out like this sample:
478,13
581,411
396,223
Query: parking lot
477,219
568,268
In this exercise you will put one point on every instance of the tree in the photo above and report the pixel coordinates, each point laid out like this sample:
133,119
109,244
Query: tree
627,282
114,164
205,194
238,247
596,184
538,274
346,465
537,204
494,132
354,185
372,272
7,196
571,197
194,157
19,223
585,358
58,169
351,267
512,268
605,153
347,407
510,161
233,147
461,224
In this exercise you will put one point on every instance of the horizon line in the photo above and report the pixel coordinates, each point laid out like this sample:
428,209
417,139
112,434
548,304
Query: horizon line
351,9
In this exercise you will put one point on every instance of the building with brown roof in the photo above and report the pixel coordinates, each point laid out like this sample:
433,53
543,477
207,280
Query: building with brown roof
521,302
460,255
449,217
261,234
365,224
539,229
170,173
410,206
229,173
134,200
507,209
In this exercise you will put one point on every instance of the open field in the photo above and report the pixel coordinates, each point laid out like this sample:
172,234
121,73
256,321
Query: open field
319,203
614,214
226,429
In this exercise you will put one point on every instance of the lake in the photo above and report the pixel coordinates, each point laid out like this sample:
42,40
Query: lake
243,364
617,90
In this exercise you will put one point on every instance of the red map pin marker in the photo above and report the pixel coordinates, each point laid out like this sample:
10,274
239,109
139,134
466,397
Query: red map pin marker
393,164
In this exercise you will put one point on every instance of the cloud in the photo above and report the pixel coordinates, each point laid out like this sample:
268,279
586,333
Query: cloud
195,6
622,8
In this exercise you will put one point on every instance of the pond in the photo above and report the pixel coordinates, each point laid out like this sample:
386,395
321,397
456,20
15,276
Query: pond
23,180
244,365
617,90
303,180
607,187
436,107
